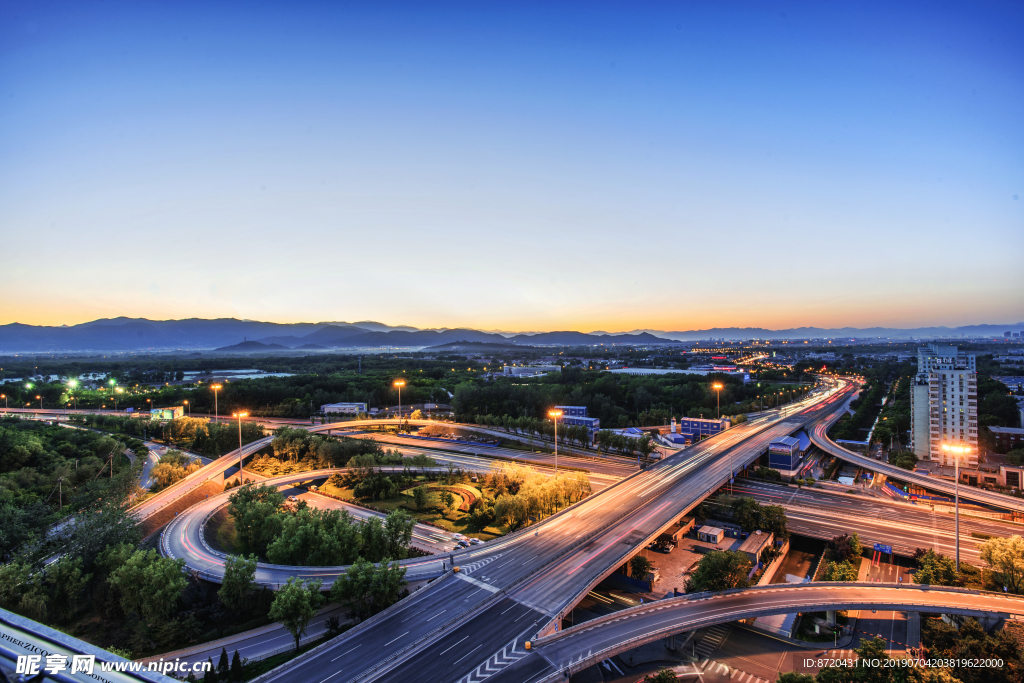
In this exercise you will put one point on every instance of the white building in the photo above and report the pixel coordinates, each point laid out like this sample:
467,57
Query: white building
944,404
343,408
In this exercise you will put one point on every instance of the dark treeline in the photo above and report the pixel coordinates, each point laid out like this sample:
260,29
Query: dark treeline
619,400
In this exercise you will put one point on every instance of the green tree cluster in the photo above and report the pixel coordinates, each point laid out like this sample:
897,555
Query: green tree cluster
720,570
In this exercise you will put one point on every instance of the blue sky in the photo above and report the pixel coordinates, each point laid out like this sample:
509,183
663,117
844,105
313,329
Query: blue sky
513,165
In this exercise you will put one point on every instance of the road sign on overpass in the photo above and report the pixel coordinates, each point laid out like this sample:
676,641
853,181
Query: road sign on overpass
882,548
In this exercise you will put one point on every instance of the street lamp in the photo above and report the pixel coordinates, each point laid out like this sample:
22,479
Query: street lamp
718,388
399,383
40,401
189,408
957,451
241,472
216,388
4,397
555,414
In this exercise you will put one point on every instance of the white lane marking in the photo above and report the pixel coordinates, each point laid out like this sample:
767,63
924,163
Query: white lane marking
468,654
438,614
477,582
345,653
391,641
464,637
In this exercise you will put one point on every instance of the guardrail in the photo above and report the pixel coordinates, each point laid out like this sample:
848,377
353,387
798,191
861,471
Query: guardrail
648,636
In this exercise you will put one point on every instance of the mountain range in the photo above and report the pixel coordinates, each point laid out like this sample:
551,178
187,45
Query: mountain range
232,335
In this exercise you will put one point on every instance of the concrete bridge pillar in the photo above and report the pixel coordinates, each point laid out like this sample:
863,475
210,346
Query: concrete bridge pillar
830,617
913,629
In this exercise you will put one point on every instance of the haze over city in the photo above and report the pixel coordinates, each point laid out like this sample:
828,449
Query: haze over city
518,166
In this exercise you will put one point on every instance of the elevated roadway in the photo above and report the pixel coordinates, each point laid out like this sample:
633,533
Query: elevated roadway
574,649
520,587
819,437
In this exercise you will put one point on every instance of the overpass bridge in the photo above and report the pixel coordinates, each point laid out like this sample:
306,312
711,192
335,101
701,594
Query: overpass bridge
553,657
819,437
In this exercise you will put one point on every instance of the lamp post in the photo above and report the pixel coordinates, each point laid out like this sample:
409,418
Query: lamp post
718,390
216,388
241,472
189,408
399,383
555,414
4,397
40,401
957,451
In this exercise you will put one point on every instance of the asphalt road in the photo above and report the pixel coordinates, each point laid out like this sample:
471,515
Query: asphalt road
820,439
544,569
904,526
583,645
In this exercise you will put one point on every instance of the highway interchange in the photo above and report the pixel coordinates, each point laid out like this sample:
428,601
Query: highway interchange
465,623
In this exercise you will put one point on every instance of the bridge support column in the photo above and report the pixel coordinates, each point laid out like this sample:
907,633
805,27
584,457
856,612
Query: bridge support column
913,629
830,618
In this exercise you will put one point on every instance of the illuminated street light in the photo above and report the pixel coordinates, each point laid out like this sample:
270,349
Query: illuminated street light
718,388
4,397
555,414
401,383
241,472
40,401
957,451
216,388
189,408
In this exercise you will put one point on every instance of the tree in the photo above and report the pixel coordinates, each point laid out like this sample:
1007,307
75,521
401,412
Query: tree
236,668
419,497
211,673
366,589
223,665
840,571
252,508
903,459
66,581
1006,557
448,500
398,528
639,566
149,584
720,570
936,570
845,548
661,676
239,573
793,677
295,604
1016,456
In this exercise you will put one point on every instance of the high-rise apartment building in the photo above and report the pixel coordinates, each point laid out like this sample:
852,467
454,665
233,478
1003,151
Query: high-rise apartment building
944,404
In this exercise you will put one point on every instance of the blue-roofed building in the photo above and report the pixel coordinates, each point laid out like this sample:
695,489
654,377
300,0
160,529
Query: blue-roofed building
784,453
577,415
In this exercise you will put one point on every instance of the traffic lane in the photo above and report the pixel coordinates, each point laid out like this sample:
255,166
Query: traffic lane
260,644
678,490
593,465
357,650
683,614
505,624
880,509
818,525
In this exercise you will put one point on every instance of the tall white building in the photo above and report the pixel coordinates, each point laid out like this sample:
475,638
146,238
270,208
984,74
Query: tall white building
944,404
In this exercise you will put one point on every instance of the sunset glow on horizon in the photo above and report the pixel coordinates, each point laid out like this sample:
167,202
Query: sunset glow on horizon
522,167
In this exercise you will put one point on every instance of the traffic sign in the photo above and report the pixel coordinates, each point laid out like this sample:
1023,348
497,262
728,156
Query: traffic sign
883,548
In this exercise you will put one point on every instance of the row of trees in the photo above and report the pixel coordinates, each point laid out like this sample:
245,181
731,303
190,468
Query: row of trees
313,537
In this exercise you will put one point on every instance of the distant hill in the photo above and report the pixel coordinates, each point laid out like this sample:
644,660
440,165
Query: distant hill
227,334
251,346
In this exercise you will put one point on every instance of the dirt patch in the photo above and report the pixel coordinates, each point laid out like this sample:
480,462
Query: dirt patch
159,519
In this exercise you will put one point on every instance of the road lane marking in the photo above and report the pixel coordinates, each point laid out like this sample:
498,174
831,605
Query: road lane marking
438,614
345,653
477,582
467,654
452,646
391,641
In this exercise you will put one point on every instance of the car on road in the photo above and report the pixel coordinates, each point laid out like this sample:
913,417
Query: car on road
293,499
476,541
463,544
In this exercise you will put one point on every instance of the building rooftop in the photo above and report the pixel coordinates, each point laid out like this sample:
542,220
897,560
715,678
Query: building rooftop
756,542
1007,430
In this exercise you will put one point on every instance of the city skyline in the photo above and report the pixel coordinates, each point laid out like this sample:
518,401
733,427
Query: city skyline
519,168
